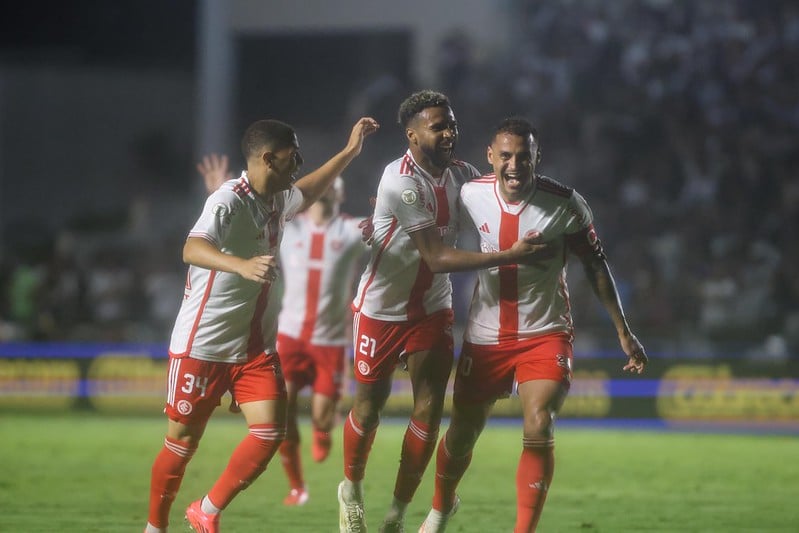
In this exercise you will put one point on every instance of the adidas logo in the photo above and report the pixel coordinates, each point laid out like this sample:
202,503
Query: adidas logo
484,228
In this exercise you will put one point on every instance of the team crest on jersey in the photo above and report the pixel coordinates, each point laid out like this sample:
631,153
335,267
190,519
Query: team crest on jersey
184,407
363,368
222,212
409,196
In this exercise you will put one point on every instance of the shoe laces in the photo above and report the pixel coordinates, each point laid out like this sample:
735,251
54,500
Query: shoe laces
354,518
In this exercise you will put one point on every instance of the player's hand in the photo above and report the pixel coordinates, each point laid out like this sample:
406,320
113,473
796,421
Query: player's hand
214,170
531,250
635,352
362,129
366,225
261,269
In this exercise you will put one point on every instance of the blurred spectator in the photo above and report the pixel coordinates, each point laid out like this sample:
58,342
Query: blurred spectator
679,122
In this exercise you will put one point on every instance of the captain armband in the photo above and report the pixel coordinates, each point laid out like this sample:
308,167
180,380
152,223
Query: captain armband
586,244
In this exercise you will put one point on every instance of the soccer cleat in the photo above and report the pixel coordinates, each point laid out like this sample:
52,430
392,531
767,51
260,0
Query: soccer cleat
350,514
393,526
296,497
201,522
436,521
321,446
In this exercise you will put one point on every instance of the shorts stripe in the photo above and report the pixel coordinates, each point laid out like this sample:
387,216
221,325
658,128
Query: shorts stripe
174,371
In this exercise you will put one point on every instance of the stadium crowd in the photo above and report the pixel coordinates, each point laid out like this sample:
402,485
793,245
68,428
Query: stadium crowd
677,120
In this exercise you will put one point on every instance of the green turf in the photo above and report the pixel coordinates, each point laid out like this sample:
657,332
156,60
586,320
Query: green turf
90,473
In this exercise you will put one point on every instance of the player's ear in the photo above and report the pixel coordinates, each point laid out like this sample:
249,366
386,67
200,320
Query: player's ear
489,155
538,156
268,157
410,135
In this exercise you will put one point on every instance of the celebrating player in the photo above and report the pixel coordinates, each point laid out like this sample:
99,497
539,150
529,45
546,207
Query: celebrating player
224,335
403,306
319,253
519,325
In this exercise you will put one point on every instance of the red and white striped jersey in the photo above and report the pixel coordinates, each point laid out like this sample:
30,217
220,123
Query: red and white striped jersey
397,285
224,317
515,302
318,271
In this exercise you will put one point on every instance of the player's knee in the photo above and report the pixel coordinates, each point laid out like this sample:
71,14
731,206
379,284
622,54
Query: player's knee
538,424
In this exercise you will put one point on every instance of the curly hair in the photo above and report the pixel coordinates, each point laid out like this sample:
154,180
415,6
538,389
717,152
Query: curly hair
418,102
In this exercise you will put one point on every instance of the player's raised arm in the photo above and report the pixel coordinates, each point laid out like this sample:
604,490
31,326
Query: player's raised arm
317,182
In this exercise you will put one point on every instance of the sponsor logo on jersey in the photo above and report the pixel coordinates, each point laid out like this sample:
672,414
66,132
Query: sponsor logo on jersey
184,407
484,227
409,196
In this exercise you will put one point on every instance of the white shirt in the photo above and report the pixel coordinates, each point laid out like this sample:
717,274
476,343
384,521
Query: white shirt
517,301
318,271
397,285
224,317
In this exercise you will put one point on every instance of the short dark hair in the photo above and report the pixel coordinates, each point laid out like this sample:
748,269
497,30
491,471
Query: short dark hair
515,126
418,102
270,134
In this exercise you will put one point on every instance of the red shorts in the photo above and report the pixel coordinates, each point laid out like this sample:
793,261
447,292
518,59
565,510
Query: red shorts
307,364
195,388
486,372
381,345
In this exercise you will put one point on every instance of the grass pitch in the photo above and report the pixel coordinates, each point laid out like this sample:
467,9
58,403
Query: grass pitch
90,473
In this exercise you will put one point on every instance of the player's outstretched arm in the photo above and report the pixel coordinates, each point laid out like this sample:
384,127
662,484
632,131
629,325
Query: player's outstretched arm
316,183
442,258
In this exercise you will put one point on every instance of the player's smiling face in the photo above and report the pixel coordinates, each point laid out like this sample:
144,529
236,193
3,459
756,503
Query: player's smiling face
434,133
513,158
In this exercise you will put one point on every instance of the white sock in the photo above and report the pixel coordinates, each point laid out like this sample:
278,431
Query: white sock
152,529
208,507
353,490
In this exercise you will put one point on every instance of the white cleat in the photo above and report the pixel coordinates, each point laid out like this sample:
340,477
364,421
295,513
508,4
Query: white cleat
350,513
436,521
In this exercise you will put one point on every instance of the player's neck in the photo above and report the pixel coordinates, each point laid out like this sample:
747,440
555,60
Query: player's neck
427,165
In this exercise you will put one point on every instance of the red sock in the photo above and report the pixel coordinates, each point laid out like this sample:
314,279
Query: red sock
533,476
417,449
290,456
249,459
357,444
167,474
449,471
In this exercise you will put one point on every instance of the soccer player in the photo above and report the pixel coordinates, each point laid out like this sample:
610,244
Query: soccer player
319,255
320,250
519,326
224,334
403,306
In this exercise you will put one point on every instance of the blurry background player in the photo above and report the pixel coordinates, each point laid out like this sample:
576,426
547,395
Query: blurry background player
519,324
403,307
225,331
319,254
